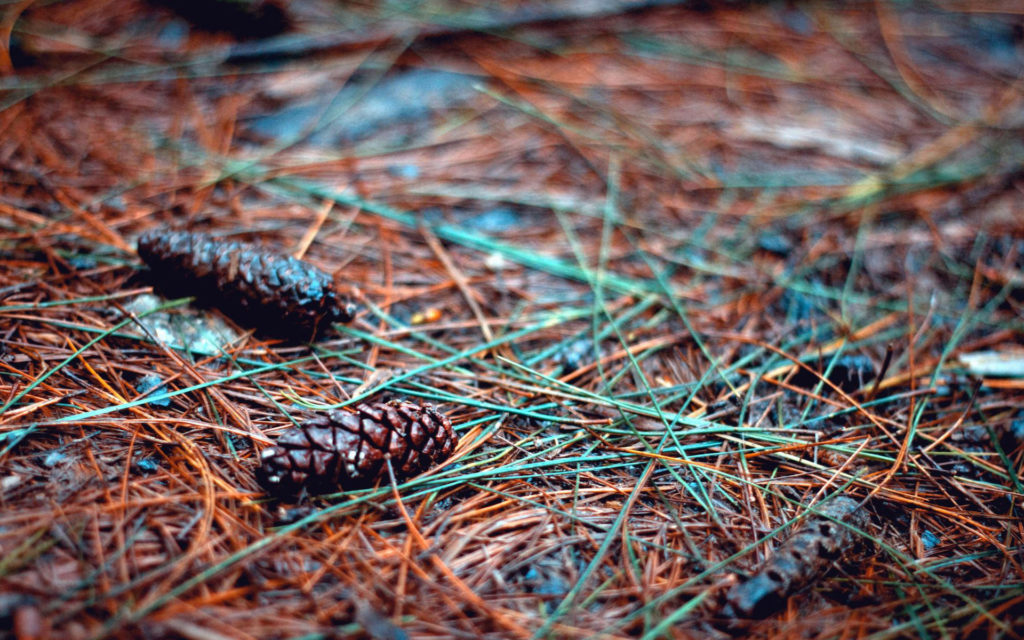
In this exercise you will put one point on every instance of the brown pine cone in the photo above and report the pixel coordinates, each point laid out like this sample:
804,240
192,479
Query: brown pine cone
272,291
346,450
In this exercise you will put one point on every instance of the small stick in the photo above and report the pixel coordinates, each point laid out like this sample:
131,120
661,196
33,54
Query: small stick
881,372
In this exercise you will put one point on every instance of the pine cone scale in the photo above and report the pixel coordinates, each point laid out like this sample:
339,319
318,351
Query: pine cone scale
376,438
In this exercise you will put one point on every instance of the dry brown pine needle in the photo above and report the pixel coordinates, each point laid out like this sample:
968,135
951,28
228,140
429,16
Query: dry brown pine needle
274,292
346,450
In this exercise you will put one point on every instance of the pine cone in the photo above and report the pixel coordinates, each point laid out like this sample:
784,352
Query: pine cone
805,555
272,291
346,450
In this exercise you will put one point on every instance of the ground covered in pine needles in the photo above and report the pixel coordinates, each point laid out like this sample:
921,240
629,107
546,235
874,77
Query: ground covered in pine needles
682,277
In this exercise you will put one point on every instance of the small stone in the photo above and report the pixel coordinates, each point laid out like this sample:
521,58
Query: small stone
152,385
496,262
53,458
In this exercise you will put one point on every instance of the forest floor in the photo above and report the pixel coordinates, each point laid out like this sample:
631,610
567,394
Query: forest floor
691,281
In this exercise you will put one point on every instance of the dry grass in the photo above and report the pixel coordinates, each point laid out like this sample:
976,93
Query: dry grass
650,263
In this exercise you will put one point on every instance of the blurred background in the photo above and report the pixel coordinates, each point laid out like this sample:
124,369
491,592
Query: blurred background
676,270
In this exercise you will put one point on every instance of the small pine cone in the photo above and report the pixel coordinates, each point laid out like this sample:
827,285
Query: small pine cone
341,449
272,291
807,554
